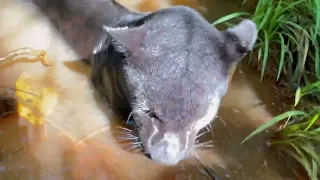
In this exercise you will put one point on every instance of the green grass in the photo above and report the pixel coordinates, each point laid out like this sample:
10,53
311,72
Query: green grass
299,137
288,41
289,29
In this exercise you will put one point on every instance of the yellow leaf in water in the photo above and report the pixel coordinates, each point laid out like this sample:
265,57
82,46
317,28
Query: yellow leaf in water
37,98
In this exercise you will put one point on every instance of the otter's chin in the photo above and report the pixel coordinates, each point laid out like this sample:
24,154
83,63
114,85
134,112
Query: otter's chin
169,151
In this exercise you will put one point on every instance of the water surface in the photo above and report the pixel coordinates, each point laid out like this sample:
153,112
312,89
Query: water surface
62,149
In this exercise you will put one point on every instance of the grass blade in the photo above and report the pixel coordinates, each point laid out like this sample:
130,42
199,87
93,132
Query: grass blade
281,56
293,128
297,26
302,58
312,121
265,18
309,149
265,54
315,167
228,17
291,37
317,20
302,159
275,16
317,61
315,85
297,96
291,5
272,122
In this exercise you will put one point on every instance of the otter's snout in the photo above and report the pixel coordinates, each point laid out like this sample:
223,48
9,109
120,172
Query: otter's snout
168,150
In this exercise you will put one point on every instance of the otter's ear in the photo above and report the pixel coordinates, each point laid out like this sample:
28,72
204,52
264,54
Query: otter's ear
130,38
241,38
246,32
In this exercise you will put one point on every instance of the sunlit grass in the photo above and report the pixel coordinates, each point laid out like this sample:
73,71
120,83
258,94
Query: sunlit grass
289,35
288,41
299,137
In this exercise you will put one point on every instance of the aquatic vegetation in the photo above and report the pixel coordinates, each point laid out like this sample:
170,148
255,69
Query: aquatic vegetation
288,36
39,104
288,47
299,136
33,100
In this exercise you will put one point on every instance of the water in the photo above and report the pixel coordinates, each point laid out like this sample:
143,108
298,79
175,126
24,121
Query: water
61,148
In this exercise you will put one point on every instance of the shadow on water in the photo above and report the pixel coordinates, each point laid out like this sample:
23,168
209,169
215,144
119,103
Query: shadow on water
76,142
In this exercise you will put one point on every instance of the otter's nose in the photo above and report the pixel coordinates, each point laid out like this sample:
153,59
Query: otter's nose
167,151
148,155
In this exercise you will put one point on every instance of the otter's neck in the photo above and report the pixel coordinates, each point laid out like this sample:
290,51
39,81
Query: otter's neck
80,22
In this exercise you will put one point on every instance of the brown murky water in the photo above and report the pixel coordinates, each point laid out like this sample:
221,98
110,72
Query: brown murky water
62,149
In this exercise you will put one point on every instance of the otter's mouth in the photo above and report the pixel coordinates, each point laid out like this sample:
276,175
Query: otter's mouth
128,137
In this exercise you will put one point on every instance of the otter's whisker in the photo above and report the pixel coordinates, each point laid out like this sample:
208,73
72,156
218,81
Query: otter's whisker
138,151
128,138
125,133
209,128
201,134
132,143
224,122
128,119
206,146
207,169
133,147
125,129
203,144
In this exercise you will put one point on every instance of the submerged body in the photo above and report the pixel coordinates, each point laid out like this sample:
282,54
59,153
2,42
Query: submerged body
168,68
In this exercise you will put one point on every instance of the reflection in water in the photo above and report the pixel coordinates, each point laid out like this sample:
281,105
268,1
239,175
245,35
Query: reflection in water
76,142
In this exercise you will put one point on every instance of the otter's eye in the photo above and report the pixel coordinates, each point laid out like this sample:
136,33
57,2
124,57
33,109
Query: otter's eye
242,50
131,122
153,115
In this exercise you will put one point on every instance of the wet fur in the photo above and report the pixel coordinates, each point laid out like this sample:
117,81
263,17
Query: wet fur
168,68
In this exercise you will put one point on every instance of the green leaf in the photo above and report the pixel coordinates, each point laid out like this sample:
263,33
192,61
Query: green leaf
228,17
317,130
297,26
275,16
283,50
265,54
301,58
312,121
291,5
294,128
310,87
302,159
309,149
301,135
291,37
259,53
297,96
317,61
317,20
273,121
315,167
265,18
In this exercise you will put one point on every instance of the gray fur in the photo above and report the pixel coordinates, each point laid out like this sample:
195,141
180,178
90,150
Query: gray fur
168,67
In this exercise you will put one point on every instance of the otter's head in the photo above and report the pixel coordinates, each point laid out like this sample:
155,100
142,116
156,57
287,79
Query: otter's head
175,70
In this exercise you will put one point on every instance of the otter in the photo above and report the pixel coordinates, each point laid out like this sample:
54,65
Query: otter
167,69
